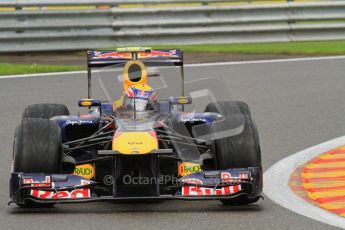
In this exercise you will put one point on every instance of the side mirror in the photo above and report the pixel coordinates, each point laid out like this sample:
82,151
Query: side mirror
89,103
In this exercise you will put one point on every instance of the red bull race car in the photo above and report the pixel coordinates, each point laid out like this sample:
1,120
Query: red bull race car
138,147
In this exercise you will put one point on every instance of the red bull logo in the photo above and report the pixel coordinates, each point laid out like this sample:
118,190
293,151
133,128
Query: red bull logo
74,194
201,191
116,55
158,53
128,55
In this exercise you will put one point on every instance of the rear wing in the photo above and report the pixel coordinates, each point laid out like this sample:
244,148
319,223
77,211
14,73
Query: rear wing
146,55
150,57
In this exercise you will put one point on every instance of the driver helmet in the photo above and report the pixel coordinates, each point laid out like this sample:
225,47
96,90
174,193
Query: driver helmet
140,97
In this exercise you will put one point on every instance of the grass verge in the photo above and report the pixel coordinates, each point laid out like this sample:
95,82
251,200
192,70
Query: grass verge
277,48
11,69
312,48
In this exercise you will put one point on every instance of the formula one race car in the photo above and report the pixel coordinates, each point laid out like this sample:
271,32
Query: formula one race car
136,147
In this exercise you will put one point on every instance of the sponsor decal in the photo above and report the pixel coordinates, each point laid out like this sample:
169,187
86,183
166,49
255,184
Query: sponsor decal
86,171
191,117
192,181
182,100
74,194
201,191
110,55
78,122
158,53
135,143
86,103
226,177
186,168
244,176
32,183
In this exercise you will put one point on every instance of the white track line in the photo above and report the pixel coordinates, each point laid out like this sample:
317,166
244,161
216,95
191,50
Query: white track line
193,65
276,184
268,61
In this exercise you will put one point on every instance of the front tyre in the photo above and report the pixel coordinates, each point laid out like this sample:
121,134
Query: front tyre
46,111
240,149
37,148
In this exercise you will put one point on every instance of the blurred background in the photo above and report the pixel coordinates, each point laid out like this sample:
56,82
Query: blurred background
52,35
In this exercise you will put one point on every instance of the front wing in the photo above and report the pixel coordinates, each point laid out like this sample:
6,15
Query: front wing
65,188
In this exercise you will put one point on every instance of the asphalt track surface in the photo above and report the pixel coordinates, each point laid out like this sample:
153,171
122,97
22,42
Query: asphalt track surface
295,104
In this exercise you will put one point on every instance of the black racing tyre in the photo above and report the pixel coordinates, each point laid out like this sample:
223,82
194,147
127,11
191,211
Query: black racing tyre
37,148
227,108
241,150
45,111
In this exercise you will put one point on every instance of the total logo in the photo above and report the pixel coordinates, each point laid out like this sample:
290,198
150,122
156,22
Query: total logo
86,171
186,168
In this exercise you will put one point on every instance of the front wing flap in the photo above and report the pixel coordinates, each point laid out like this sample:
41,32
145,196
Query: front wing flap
67,188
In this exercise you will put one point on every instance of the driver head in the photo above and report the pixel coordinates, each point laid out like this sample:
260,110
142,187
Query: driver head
140,97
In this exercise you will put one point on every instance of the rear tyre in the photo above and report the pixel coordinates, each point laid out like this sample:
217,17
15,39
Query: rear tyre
37,148
46,111
241,150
